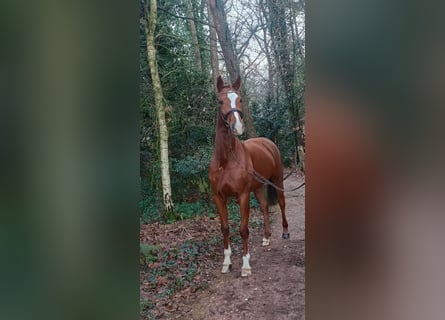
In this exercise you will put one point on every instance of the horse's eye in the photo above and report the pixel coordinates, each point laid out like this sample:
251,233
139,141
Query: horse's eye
220,102
240,100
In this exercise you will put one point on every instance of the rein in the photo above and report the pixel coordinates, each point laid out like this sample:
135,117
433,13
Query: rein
263,180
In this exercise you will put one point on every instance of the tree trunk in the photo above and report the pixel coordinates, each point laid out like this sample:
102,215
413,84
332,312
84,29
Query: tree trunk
225,39
213,47
193,31
160,106
232,64
298,68
282,52
271,97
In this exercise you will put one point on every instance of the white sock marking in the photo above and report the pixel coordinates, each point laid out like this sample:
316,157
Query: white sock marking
227,262
227,254
246,259
246,270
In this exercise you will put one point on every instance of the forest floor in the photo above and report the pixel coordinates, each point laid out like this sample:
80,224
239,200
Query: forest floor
183,280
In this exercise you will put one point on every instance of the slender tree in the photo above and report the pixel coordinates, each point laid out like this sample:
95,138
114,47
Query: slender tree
213,46
298,71
194,33
230,58
150,28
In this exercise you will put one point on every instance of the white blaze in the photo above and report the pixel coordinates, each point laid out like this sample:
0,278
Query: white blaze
238,125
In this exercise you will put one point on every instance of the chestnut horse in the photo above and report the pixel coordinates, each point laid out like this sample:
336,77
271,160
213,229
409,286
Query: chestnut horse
238,167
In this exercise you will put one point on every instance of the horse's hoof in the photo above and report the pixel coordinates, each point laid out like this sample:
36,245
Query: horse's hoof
266,242
285,235
226,268
246,272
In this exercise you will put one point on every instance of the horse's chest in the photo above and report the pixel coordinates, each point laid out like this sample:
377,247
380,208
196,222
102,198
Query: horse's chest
230,182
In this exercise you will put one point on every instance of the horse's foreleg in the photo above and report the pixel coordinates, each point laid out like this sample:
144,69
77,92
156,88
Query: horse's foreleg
259,194
221,205
243,201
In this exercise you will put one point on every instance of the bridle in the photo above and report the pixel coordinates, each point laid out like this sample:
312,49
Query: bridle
226,115
232,110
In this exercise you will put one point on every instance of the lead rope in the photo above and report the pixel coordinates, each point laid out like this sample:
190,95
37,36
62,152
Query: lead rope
263,180
287,175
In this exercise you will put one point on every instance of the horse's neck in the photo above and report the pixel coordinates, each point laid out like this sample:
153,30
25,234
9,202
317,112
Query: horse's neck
224,144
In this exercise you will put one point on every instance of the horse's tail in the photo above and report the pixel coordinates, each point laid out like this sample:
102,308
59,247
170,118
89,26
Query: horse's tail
272,197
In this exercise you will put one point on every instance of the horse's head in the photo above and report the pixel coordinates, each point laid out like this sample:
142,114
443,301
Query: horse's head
229,105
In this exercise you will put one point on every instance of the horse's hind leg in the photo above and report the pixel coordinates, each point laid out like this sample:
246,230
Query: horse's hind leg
282,204
221,205
259,194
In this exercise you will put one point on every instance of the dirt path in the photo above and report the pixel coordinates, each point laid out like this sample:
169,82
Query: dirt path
276,288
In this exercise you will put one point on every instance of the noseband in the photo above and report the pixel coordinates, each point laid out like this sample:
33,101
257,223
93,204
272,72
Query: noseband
225,116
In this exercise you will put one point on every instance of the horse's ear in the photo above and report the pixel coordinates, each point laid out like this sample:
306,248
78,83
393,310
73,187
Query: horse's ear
219,83
236,85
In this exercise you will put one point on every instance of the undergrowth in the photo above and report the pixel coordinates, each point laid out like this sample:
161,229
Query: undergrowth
165,272
151,211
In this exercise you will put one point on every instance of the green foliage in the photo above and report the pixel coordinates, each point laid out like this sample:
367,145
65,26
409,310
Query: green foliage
150,209
254,202
151,200
149,253
184,210
189,174
193,166
233,208
272,121
189,210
